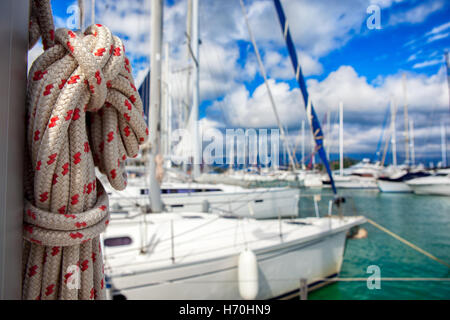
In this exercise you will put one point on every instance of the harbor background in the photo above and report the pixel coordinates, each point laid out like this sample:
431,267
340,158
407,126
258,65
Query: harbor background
422,220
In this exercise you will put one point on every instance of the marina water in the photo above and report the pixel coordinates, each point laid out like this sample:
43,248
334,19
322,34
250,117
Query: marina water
422,220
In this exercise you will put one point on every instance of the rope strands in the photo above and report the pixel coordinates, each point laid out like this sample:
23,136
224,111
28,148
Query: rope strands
83,111
41,24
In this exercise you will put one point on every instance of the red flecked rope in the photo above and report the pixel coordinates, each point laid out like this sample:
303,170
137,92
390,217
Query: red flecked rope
83,111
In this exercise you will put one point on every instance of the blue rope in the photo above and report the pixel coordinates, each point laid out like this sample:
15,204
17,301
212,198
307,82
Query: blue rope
316,129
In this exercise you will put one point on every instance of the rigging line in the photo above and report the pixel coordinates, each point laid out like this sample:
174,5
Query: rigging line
409,244
318,135
269,91
387,144
380,140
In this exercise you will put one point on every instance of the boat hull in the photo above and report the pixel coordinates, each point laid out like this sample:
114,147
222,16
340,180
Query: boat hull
280,269
393,186
257,203
431,189
260,204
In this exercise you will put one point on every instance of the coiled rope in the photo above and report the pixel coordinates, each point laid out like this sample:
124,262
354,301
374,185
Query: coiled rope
83,111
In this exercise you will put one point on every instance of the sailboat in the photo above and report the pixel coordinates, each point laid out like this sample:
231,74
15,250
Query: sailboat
192,255
196,193
360,176
438,183
395,179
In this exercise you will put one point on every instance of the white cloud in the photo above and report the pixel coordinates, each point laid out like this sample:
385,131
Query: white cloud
438,37
427,63
280,67
439,29
317,27
416,14
364,106
243,110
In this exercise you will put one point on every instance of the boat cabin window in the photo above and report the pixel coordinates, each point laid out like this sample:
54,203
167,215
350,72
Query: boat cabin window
117,241
187,190
182,190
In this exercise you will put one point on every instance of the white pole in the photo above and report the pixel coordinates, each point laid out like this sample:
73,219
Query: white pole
447,65
328,136
413,153
155,102
165,82
313,149
195,93
184,112
92,11
341,139
443,145
169,114
303,144
406,121
393,139
81,15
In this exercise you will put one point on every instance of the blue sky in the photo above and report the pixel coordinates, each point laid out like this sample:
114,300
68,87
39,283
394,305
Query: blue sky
341,58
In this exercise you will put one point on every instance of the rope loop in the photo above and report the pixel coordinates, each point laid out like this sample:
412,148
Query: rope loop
83,111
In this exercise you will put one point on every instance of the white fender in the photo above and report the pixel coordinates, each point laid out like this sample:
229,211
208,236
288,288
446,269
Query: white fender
248,275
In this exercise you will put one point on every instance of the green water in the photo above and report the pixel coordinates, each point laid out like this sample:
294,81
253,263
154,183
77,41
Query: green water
422,220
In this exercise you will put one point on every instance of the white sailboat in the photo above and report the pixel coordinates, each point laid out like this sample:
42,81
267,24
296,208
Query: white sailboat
196,256
393,179
181,195
361,176
437,184
260,203
212,256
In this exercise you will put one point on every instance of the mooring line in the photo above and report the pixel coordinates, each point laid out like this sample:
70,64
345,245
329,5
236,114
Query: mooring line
429,255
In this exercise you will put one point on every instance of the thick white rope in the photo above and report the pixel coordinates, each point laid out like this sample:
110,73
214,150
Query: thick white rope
83,111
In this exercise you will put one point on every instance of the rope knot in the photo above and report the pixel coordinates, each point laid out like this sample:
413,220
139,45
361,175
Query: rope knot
97,64
66,229
83,111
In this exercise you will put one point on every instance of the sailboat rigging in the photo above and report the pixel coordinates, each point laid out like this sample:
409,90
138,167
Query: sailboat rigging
315,124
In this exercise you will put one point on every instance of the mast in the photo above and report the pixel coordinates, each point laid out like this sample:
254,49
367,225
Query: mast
413,153
341,139
328,140
405,110
155,102
165,108
315,124
447,64
313,151
303,144
184,116
195,90
443,145
393,138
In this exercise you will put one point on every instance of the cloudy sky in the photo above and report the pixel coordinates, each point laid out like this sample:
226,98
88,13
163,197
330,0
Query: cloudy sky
342,59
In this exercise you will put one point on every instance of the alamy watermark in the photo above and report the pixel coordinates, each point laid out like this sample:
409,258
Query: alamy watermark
230,146
374,281
374,20
72,278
